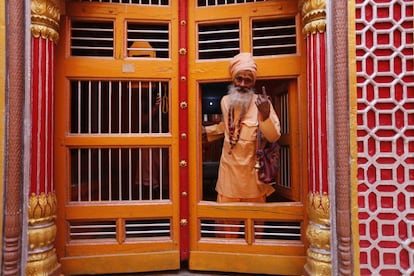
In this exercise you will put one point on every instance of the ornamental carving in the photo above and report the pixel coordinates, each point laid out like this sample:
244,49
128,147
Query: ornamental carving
318,208
42,259
318,234
42,208
43,263
41,236
318,264
314,16
45,16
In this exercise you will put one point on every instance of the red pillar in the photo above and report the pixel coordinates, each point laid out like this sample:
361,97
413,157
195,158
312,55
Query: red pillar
318,230
42,258
41,179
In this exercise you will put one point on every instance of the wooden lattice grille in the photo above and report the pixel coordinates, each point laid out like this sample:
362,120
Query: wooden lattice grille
385,81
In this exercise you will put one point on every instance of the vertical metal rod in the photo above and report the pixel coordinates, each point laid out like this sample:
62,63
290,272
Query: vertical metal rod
286,115
129,174
140,172
100,173
160,172
110,173
119,174
99,107
150,164
89,176
159,107
89,106
119,108
140,106
110,108
79,106
79,173
150,107
129,107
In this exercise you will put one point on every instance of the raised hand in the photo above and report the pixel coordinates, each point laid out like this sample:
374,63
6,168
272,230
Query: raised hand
263,104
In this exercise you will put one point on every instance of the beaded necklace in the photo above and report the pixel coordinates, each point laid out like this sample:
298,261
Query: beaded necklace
234,130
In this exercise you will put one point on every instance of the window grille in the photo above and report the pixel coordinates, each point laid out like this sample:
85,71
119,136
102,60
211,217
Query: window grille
277,230
81,230
107,229
284,177
284,113
222,228
274,37
132,2
148,40
220,40
92,38
119,174
121,107
147,228
285,169
204,3
266,230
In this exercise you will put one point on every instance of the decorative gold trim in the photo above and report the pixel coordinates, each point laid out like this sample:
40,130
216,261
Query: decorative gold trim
313,16
318,234
42,208
42,263
42,236
319,208
45,18
42,259
319,237
318,264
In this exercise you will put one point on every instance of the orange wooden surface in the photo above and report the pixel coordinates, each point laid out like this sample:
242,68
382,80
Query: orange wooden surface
134,255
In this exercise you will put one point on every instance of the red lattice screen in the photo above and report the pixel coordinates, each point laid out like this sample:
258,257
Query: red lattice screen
385,87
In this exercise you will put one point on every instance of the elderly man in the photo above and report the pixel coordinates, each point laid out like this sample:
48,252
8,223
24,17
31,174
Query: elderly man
243,113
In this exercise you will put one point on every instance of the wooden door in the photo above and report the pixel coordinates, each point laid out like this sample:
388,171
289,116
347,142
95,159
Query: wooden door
117,137
260,238
116,151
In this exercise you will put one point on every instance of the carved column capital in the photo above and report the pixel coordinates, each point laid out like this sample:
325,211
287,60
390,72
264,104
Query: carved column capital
313,16
45,16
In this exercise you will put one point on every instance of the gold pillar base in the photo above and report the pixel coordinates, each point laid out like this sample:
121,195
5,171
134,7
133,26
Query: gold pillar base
318,233
42,258
318,263
43,264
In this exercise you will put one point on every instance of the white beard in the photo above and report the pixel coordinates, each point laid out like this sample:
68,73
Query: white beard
240,99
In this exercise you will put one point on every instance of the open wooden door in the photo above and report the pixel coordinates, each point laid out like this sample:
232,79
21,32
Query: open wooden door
262,238
116,153
122,201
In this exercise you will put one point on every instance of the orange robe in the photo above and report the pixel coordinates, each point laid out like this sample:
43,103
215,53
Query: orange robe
237,177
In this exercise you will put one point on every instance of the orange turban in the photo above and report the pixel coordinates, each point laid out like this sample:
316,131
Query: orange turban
240,62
